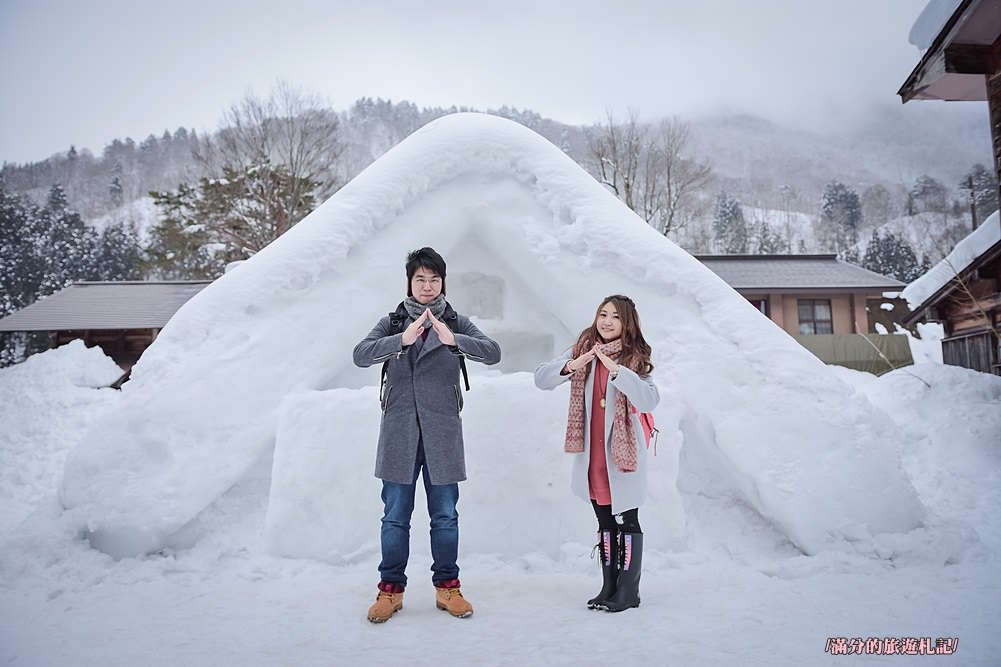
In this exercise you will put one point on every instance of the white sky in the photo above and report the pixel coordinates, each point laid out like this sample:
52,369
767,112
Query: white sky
85,72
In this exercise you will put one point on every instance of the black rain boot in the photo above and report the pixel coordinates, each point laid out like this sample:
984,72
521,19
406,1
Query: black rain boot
627,594
607,545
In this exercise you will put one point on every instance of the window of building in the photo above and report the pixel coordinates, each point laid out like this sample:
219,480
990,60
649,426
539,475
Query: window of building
815,316
761,305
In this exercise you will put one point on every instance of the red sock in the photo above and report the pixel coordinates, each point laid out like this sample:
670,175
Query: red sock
390,587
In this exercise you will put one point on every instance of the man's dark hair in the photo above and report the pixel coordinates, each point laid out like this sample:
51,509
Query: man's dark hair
425,258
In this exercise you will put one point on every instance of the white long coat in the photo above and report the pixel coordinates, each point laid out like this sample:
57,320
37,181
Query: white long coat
628,488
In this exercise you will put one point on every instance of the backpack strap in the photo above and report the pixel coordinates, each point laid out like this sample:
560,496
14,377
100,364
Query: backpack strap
397,323
449,317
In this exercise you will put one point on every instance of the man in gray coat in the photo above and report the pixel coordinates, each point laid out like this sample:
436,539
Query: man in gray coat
422,343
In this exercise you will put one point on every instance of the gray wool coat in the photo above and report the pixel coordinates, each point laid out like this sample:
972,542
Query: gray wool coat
423,397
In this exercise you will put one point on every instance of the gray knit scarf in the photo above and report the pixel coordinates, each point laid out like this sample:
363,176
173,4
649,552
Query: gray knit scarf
415,309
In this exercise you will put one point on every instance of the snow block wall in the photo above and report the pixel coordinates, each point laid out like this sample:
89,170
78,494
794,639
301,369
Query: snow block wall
533,244
324,502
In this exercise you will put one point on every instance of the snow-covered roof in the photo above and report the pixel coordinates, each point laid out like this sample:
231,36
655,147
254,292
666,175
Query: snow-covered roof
969,250
931,21
105,305
946,72
793,272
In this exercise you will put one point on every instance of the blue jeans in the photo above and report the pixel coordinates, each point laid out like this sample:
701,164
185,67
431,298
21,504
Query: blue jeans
398,500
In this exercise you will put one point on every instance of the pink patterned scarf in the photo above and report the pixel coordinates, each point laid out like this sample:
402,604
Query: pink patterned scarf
623,435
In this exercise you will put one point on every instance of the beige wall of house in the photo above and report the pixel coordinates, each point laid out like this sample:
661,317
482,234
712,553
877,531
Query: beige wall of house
783,309
841,311
776,310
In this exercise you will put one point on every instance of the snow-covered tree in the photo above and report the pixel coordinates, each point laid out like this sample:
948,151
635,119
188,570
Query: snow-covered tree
729,225
291,130
981,188
890,255
226,219
118,254
765,241
840,216
43,249
877,205
928,196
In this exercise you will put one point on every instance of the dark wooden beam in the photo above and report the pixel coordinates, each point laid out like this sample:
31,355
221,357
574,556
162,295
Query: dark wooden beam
969,59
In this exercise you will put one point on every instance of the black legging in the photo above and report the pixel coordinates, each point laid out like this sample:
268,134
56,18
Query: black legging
627,522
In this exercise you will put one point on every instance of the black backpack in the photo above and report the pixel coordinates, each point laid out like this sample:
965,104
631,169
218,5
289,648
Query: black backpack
397,323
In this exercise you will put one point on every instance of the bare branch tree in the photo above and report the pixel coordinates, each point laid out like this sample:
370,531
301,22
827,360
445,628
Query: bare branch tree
615,151
672,177
650,172
292,129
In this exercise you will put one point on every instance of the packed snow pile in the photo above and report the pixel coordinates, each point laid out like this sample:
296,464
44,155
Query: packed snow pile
962,439
45,404
257,367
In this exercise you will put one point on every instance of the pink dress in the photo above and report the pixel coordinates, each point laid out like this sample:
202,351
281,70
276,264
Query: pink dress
597,470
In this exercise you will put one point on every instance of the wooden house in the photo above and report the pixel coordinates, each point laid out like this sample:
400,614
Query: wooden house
963,63
962,292
828,305
122,318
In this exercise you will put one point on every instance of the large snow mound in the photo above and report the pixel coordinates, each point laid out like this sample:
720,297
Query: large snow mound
45,403
533,244
963,441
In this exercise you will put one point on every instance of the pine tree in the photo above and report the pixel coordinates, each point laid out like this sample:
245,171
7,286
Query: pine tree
982,188
767,242
179,251
841,216
115,189
729,225
890,255
928,196
225,219
117,255
43,249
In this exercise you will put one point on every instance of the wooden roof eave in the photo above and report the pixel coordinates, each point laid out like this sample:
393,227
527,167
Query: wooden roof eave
949,71
992,253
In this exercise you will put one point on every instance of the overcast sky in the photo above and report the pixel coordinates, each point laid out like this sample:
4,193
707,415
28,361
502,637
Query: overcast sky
85,72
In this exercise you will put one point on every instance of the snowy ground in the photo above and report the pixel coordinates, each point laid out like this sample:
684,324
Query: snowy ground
789,503
730,591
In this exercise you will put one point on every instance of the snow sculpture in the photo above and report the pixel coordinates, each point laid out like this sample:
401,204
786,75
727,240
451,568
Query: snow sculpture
533,243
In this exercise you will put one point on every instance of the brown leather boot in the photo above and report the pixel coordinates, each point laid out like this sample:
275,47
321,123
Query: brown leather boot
386,604
451,600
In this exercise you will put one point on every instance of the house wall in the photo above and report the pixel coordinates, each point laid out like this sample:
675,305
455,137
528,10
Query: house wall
972,319
841,312
977,306
846,309
124,346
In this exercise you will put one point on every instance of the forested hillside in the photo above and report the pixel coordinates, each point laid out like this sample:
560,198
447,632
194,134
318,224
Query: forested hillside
894,194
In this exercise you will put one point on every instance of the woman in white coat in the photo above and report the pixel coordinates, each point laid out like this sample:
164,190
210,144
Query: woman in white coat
609,372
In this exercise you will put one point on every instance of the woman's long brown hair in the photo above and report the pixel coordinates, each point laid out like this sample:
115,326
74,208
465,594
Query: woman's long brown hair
635,350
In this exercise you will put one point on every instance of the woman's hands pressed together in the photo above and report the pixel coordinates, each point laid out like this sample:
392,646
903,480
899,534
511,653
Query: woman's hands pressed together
608,362
586,358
